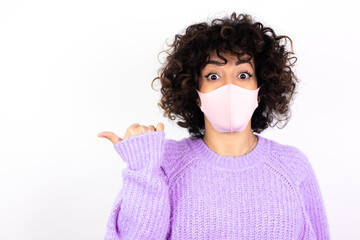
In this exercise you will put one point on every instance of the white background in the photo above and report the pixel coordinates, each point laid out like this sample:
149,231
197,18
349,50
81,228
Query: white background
72,69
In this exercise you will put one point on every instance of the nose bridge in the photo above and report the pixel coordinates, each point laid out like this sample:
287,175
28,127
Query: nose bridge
229,78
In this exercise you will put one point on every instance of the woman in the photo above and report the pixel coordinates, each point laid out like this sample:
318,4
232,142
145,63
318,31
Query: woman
227,80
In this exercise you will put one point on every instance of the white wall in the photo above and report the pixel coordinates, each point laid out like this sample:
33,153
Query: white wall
71,69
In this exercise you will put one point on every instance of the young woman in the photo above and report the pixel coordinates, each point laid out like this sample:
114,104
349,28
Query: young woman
226,80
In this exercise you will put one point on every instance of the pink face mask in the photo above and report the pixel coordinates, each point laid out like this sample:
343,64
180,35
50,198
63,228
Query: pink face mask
229,108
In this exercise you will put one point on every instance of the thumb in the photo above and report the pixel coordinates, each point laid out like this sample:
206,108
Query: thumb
160,126
111,136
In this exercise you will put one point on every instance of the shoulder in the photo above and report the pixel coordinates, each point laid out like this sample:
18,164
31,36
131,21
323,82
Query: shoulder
288,160
176,156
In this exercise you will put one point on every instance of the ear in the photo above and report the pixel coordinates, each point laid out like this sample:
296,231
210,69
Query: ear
198,102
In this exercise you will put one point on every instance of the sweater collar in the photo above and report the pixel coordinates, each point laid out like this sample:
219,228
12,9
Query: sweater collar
251,159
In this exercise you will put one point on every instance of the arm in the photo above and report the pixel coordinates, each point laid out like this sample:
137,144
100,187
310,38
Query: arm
314,205
142,207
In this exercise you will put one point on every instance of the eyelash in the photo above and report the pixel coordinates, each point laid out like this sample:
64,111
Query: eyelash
250,75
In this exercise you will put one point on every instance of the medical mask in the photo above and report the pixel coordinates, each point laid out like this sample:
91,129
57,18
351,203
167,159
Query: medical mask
229,108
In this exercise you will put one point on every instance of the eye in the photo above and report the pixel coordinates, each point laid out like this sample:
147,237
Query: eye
243,74
211,74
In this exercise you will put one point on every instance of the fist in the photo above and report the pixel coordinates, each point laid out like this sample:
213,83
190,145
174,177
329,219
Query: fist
132,130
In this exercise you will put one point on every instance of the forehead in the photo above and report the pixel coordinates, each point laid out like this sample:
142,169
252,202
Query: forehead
214,59
229,56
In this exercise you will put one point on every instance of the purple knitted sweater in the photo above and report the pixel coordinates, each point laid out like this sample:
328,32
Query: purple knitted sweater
181,189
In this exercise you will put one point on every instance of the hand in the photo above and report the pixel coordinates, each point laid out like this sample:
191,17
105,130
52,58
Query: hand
133,129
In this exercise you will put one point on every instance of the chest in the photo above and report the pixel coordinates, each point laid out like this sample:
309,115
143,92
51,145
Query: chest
253,204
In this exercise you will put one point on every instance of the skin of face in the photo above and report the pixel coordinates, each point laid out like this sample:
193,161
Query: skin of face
214,76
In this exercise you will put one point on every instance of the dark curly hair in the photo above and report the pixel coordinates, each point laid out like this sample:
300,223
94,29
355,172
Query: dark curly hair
238,35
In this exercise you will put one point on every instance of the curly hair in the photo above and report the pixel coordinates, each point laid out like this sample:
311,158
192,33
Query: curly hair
238,35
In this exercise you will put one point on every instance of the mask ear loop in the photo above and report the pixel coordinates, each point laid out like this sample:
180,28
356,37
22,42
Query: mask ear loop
259,98
198,100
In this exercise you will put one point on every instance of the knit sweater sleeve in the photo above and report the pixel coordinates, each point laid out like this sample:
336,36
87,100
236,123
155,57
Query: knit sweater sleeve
142,208
313,201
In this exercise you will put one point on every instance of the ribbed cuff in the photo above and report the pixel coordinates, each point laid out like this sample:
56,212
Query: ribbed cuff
142,151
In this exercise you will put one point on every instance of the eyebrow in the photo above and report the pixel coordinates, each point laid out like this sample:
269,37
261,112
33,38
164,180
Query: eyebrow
220,63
